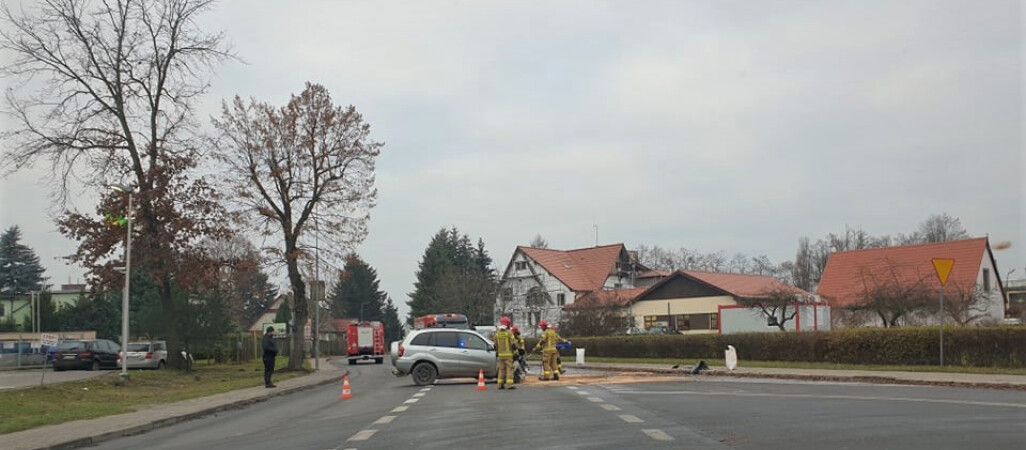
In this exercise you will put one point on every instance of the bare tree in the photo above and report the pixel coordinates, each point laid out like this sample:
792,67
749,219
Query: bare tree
893,294
599,320
965,305
538,242
104,91
779,305
941,228
306,164
803,268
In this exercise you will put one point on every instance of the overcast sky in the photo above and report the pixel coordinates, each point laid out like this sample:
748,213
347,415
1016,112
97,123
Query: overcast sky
716,125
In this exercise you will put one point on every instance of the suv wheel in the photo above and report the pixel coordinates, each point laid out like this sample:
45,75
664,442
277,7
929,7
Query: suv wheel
424,374
95,366
160,365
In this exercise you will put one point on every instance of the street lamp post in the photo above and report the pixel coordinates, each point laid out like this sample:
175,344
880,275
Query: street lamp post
128,266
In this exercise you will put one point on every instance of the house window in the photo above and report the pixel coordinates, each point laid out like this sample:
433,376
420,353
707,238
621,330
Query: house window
650,321
561,299
986,280
520,265
714,321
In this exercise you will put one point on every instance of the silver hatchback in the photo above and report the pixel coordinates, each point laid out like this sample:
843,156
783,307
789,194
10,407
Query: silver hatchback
433,353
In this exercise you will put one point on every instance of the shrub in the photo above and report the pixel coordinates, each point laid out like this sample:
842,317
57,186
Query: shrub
963,346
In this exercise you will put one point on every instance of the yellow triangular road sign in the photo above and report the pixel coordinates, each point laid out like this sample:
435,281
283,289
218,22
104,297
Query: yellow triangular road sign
943,268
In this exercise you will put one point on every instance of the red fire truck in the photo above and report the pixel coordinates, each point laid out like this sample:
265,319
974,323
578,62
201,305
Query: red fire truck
365,340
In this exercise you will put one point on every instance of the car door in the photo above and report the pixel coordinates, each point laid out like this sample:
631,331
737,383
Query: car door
112,354
475,356
445,348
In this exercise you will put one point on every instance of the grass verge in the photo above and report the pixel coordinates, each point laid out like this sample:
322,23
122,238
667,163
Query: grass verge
21,409
807,365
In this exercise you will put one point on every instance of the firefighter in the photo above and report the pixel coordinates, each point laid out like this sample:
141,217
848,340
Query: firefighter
505,345
547,343
521,351
559,358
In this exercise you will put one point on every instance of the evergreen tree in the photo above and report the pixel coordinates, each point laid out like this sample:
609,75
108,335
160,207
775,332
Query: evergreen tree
455,277
437,260
393,327
357,294
20,271
284,314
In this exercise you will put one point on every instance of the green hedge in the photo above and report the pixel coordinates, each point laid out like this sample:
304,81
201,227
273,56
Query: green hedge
964,346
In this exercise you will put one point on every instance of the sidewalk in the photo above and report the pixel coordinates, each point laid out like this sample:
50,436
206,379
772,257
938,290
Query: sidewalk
83,433
974,380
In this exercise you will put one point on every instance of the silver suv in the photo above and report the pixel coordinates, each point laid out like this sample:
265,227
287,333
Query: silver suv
433,353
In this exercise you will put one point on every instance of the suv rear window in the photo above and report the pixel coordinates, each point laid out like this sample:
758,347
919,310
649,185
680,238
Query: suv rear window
138,347
421,339
70,346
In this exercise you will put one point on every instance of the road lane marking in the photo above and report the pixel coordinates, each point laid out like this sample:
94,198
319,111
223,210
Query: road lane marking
608,407
362,435
631,419
582,392
657,435
596,399
399,409
425,389
419,394
572,387
412,400
383,420
834,397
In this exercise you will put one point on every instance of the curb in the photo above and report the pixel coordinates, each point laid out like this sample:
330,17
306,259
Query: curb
879,379
161,423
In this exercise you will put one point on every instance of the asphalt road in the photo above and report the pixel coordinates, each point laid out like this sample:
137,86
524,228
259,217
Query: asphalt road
12,379
389,412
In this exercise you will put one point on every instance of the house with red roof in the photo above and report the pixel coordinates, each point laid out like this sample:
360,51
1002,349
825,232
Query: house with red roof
692,301
538,282
974,289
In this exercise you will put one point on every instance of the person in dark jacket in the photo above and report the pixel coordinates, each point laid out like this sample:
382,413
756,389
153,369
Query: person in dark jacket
270,352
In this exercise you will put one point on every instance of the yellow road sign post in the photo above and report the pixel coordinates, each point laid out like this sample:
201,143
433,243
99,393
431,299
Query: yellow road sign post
943,268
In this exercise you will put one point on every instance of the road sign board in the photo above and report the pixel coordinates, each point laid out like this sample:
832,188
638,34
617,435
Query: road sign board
943,268
48,339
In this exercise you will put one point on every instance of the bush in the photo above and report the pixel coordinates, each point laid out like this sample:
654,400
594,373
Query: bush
963,346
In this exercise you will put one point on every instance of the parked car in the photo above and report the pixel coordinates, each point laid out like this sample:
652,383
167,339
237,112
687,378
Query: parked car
89,354
661,329
147,355
635,330
434,353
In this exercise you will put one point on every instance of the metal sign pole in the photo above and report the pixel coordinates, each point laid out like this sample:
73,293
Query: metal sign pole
942,325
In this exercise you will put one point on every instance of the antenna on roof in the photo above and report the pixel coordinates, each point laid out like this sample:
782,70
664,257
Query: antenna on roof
595,225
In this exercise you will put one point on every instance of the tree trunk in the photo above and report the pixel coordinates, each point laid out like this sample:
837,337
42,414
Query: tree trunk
299,313
171,320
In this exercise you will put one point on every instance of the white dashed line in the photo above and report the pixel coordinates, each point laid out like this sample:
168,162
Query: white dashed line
363,435
384,420
419,394
583,392
596,399
412,400
399,409
608,407
572,387
631,419
425,389
657,435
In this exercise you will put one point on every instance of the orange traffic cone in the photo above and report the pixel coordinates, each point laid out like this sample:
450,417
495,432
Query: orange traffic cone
480,381
346,392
